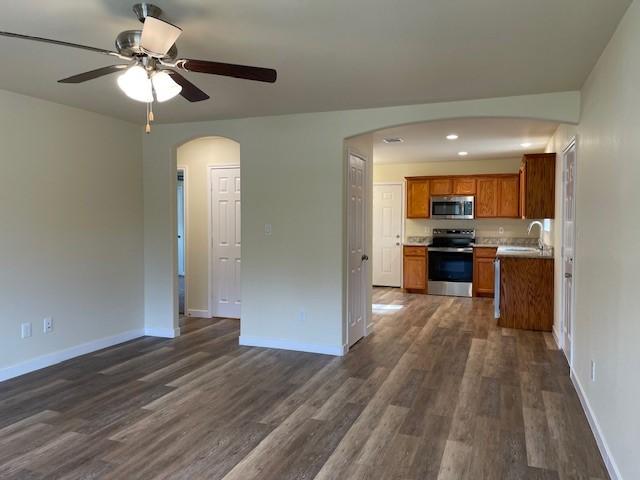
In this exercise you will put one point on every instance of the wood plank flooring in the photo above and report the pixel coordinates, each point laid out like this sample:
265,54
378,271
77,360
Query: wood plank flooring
436,392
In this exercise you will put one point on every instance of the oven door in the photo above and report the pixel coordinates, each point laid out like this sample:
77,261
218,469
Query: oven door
452,207
451,271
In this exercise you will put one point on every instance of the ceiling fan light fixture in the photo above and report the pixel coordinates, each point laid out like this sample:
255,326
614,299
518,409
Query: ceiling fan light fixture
158,36
165,87
135,83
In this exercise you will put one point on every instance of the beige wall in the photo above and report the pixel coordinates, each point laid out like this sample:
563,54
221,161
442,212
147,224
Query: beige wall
196,156
72,239
293,177
484,228
607,328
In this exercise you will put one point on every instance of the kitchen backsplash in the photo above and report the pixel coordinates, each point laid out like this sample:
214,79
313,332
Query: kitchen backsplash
507,227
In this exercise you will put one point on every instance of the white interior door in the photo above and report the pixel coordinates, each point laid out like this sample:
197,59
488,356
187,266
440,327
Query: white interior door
357,255
568,248
225,241
180,227
386,256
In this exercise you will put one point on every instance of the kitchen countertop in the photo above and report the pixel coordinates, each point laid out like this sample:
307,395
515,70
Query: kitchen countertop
494,242
546,253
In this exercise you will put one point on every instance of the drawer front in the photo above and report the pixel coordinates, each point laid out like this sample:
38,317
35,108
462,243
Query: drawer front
485,252
415,251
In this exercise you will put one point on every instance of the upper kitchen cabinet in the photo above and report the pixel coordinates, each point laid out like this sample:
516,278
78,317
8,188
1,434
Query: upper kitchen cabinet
417,198
464,186
497,197
508,196
537,185
441,186
487,197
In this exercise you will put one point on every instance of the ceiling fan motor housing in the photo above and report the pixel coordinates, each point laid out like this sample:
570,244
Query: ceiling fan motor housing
128,44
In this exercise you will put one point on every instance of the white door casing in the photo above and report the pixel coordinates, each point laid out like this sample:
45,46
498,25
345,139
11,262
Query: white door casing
181,228
386,257
225,242
356,219
568,248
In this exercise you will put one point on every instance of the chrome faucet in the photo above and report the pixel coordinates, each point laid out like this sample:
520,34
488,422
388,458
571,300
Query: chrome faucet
539,223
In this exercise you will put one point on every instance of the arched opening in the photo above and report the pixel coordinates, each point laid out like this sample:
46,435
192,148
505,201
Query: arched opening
208,230
447,148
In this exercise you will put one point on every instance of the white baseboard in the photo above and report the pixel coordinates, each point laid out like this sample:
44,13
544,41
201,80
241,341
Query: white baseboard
336,350
556,337
609,462
162,332
66,354
198,313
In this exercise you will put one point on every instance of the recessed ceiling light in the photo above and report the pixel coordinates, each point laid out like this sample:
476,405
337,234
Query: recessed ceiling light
525,144
393,140
452,136
463,154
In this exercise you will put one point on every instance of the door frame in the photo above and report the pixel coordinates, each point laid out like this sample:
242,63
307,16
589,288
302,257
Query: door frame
210,170
573,142
368,234
185,204
403,206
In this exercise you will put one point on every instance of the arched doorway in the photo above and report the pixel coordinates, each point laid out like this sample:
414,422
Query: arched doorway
210,286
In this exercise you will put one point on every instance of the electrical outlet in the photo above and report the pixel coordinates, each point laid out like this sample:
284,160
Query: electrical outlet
47,325
302,316
25,330
593,370
500,230
267,229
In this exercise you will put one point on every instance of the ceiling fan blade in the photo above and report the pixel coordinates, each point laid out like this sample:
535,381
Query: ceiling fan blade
158,36
60,42
98,72
189,90
229,70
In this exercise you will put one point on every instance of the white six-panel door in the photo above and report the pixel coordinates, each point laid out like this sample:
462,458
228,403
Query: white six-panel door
387,230
226,241
568,248
357,256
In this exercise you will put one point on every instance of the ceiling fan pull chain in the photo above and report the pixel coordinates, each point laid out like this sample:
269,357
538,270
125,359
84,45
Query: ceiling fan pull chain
147,127
151,118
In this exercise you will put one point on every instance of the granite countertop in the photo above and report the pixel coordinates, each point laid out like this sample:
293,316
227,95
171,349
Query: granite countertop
546,253
494,242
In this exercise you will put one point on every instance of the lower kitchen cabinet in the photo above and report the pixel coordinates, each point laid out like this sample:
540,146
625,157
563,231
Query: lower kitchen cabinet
415,269
526,293
483,271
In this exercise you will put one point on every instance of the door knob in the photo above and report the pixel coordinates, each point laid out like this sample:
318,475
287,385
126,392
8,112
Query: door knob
397,236
364,257
568,275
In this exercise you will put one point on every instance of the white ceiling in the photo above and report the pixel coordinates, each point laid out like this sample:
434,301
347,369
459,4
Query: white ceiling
330,54
482,138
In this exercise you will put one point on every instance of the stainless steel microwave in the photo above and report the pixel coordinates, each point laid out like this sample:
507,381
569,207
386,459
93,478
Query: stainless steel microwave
452,207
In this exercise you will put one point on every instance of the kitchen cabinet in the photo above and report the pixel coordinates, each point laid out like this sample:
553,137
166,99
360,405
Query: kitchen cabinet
487,197
483,271
526,293
417,198
415,269
464,186
508,196
441,186
537,185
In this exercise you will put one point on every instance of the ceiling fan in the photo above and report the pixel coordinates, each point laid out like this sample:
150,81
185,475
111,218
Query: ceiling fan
151,72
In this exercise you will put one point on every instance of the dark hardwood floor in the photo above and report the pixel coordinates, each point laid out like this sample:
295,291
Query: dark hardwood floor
437,391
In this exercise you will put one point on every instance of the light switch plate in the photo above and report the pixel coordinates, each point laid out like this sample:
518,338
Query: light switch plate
25,330
267,229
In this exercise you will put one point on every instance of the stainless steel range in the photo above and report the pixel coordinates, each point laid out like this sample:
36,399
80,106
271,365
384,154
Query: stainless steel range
451,262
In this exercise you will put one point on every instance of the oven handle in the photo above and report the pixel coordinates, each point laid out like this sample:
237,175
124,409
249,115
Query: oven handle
451,249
